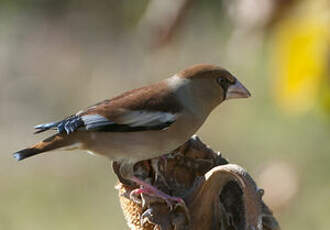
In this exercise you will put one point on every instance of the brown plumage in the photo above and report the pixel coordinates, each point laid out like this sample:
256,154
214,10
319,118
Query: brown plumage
154,97
205,71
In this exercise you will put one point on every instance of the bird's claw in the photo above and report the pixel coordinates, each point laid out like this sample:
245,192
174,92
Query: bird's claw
134,195
170,201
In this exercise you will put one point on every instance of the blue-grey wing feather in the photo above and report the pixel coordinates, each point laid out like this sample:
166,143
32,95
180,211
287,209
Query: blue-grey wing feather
67,125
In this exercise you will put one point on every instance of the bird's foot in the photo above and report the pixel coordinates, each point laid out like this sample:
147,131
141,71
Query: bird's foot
150,190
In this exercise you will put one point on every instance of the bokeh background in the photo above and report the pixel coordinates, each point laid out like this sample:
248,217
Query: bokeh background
58,56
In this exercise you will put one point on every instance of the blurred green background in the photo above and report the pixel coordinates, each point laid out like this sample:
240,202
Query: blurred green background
58,56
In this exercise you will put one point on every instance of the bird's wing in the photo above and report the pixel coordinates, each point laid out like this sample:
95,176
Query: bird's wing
148,108
129,121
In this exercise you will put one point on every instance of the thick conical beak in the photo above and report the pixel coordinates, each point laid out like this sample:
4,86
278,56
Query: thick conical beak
237,90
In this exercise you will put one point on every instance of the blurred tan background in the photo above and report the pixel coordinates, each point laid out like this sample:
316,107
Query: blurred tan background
58,56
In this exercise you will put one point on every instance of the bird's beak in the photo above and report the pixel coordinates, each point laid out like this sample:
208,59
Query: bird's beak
237,90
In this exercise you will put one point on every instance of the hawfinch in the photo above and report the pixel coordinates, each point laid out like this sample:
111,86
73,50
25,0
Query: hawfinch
143,123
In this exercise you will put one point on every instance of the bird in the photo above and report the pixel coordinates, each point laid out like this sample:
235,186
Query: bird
143,123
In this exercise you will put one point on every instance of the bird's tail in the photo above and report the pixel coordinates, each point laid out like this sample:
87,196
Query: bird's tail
51,143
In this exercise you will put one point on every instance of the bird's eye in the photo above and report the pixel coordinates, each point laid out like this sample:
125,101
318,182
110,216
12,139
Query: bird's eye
223,82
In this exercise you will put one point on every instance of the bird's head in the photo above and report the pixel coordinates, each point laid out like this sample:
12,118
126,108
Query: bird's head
216,77
212,84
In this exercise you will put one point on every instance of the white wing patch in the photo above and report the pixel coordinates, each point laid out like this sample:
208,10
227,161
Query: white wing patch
146,118
94,121
130,118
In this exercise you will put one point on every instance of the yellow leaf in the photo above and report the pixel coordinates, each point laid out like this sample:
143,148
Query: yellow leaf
299,58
